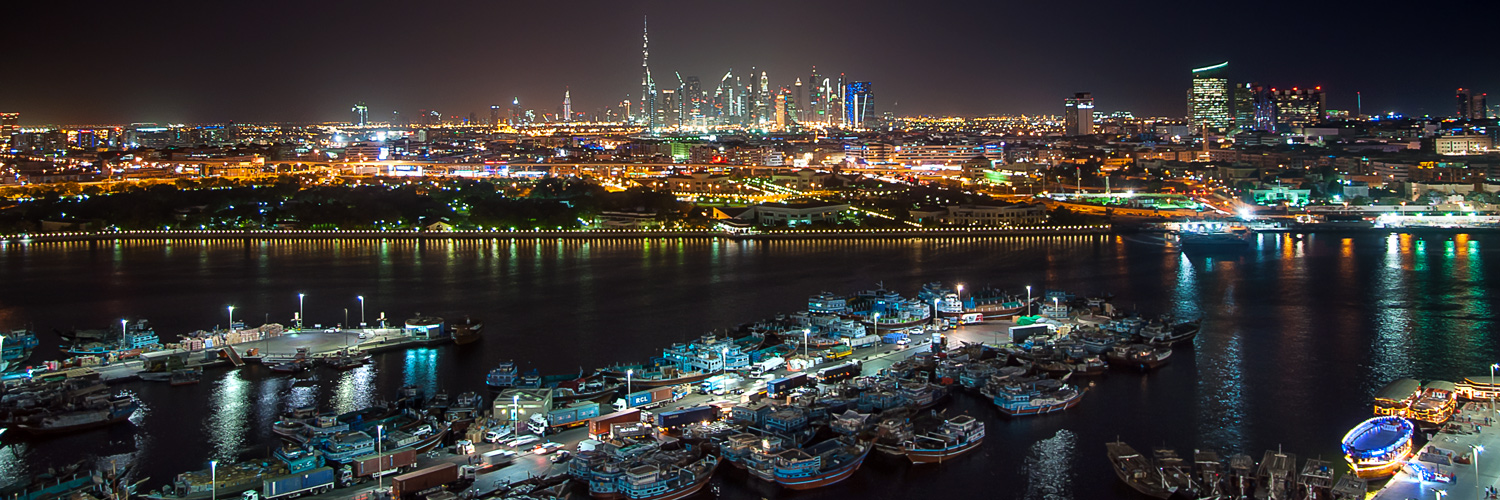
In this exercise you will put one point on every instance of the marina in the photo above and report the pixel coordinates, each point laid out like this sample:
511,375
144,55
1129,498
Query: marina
1165,379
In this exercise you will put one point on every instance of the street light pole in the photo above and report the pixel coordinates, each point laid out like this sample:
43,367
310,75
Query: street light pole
213,479
1478,449
380,436
361,311
231,318
628,374
1028,300
1492,385
804,343
301,314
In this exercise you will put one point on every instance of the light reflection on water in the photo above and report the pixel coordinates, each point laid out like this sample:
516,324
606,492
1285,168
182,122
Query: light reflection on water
1217,352
354,389
229,409
1390,350
1049,468
420,369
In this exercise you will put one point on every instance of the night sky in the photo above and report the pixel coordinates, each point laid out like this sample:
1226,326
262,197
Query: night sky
276,60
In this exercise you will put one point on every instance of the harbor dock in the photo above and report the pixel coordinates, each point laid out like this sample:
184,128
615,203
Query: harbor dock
317,342
1452,471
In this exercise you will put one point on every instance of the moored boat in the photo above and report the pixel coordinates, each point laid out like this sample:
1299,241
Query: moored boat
1376,448
955,437
97,412
468,331
1035,397
821,464
1141,356
1136,471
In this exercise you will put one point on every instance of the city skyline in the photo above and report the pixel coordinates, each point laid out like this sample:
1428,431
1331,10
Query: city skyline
952,59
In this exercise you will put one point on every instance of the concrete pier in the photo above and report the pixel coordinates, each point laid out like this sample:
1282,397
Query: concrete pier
1475,427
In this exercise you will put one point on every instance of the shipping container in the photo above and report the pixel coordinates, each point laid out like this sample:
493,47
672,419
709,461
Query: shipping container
891,338
642,398
696,414
599,426
777,389
313,481
371,466
408,485
562,418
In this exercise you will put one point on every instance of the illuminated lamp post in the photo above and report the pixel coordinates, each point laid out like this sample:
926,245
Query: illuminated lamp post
628,374
1028,300
301,313
213,479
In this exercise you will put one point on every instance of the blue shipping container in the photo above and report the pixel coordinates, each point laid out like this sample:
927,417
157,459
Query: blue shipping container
692,415
639,398
286,485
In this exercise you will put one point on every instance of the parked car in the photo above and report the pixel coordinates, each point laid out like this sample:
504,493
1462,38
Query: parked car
423,431
545,448
561,456
522,441
496,434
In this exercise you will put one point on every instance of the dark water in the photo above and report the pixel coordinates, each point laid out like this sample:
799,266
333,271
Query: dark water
1297,334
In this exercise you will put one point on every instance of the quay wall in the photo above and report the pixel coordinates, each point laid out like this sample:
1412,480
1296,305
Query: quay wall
260,235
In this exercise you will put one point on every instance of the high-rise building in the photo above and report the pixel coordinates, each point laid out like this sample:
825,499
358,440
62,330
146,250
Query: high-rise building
567,110
1208,99
799,96
1472,105
1079,114
859,104
648,87
515,111
494,115
1299,107
668,114
10,123
816,99
781,109
361,114
1253,109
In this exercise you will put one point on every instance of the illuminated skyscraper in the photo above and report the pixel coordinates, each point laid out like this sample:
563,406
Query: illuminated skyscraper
494,115
668,112
693,104
1079,117
782,108
10,123
859,104
1472,105
1208,100
799,96
567,111
1253,109
361,114
1299,107
648,87
515,111
816,99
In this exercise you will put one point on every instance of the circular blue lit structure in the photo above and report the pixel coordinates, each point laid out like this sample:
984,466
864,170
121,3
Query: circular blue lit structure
1377,447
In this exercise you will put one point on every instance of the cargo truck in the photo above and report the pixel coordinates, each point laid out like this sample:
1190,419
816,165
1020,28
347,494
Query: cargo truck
497,458
779,388
562,418
412,485
840,372
694,415
306,482
768,365
862,341
839,351
643,398
373,466
599,426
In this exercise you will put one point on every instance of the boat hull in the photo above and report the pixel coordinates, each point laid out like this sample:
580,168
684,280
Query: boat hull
826,478
920,456
64,429
1039,410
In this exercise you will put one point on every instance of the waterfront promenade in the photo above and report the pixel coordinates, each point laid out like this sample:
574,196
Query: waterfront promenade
1474,429
582,234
